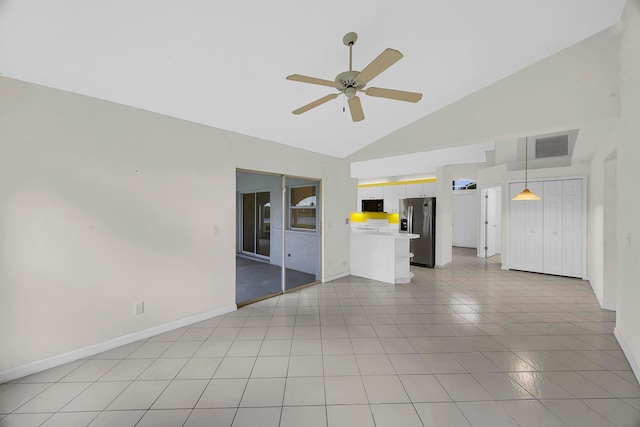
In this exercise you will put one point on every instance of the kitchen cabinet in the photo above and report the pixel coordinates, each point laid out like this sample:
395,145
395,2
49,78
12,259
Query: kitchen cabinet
425,189
548,236
392,195
373,192
384,257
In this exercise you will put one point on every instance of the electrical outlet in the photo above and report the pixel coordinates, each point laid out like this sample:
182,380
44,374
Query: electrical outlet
138,308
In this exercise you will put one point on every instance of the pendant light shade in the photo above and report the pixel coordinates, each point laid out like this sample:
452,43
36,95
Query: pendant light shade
526,194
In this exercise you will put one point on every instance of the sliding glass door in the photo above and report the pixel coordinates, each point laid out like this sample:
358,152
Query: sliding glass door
302,236
278,234
256,223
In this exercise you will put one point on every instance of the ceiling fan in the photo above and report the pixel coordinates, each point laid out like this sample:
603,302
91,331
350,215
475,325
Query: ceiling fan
350,82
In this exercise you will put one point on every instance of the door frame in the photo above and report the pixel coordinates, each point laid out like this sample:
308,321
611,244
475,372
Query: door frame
319,227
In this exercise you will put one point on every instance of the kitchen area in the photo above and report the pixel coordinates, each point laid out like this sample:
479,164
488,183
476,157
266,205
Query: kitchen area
393,228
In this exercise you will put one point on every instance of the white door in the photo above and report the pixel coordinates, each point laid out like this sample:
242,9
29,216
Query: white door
490,221
534,230
552,198
517,229
573,228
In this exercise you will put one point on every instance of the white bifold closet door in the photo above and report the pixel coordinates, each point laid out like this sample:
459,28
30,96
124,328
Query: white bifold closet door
573,226
534,239
517,229
546,236
552,199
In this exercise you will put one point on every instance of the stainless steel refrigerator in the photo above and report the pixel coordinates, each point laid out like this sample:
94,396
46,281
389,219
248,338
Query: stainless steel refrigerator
419,216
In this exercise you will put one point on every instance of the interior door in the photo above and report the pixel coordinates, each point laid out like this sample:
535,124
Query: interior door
490,225
498,227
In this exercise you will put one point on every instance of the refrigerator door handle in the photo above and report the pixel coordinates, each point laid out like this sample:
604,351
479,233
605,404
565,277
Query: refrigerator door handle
410,218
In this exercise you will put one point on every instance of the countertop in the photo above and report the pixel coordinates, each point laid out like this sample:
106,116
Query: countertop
385,235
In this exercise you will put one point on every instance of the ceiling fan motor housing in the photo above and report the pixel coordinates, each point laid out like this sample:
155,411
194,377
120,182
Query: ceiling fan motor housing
348,80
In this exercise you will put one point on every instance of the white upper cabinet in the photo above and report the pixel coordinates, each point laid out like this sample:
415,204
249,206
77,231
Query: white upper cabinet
392,196
413,190
426,189
390,199
373,192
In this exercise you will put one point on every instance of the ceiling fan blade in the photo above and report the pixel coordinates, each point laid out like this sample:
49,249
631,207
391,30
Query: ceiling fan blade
315,103
312,80
385,60
356,109
400,95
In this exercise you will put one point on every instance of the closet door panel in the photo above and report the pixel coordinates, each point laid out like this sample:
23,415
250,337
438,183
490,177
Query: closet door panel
534,260
553,225
573,228
517,222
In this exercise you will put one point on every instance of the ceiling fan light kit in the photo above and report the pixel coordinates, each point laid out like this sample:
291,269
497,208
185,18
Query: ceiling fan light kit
350,82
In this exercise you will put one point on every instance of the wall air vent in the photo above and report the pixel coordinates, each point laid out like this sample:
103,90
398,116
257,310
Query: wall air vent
553,146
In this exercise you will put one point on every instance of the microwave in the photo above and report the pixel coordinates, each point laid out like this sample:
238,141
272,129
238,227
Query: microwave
373,205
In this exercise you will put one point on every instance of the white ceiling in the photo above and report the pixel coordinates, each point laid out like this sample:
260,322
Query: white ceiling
224,64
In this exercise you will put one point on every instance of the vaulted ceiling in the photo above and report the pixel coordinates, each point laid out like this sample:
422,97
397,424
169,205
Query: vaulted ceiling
224,64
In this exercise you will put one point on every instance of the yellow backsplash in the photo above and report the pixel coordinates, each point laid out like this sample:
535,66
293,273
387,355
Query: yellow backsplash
364,216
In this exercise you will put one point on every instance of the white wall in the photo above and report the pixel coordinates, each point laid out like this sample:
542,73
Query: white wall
628,158
598,192
103,205
610,229
302,251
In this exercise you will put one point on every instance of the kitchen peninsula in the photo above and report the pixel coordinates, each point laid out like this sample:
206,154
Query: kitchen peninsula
378,251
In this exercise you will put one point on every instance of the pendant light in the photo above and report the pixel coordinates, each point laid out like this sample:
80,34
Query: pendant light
526,194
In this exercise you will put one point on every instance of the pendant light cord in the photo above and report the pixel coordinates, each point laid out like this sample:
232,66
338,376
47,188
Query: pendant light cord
526,162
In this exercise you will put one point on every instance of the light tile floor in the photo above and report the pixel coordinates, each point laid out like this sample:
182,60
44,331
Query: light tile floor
467,345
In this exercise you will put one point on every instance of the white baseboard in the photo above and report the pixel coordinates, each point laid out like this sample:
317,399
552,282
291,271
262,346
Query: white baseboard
61,359
439,267
335,277
627,353
604,306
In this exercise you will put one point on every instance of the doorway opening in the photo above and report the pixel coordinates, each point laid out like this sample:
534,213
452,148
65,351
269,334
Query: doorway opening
278,234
